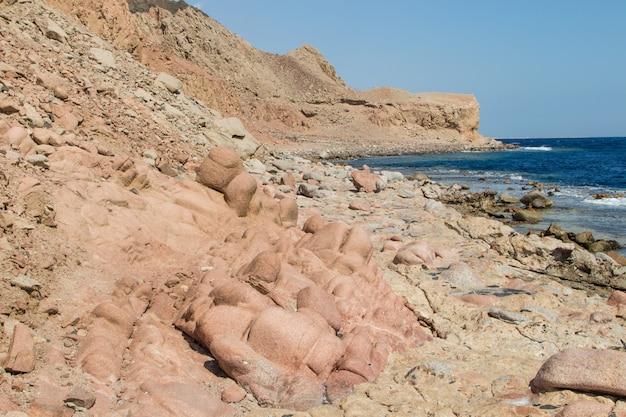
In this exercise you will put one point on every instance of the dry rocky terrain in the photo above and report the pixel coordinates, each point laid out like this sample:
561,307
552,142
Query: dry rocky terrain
168,250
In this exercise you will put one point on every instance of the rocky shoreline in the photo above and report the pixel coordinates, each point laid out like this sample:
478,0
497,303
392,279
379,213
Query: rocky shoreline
342,150
160,262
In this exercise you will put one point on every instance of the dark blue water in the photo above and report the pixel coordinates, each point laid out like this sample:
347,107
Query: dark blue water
576,170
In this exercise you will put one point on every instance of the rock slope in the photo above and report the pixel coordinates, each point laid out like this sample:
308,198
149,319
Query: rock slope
292,99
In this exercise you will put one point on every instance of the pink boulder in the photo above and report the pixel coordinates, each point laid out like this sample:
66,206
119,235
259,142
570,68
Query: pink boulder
320,301
288,209
586,408
582,369
21,356
301,316
288,179
238,193
617,299
366,181
219,168
416,253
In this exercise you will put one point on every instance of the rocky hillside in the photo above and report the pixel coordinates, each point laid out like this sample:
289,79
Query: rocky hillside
296,97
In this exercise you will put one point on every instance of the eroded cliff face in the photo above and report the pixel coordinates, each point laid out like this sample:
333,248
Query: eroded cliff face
296,97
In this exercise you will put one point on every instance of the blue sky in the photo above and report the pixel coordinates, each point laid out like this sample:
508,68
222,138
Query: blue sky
539,68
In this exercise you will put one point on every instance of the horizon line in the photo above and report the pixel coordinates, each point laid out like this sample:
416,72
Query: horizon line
556,137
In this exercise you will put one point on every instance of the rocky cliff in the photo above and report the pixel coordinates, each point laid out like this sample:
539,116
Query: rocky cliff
291,98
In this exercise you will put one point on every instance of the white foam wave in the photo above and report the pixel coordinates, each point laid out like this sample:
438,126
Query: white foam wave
537,148
611,201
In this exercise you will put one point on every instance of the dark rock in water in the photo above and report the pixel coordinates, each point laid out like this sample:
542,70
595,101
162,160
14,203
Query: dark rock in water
584,238
527,216
536,199
417,176
556,231
599,246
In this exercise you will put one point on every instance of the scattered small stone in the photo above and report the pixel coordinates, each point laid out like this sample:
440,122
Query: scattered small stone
404,193
26,283
359,205
39,160
601,317
80,397
9,106
312,176
233,394
308,190
507,316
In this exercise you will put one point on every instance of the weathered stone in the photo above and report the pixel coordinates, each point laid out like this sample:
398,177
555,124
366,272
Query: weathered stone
10,106
239,193
359,205
26,283
308,190
365,180
508,199
536,199
527,216
33,115
219,168
21,357
173,84
583,369
462,275
507,316
599,246
416,253
15,135
51,30
320,301
315,176
617,298
584,238
233,394
80,397
39,160
104,57
233,127
586,408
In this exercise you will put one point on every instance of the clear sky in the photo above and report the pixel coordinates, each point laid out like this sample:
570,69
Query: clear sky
539,68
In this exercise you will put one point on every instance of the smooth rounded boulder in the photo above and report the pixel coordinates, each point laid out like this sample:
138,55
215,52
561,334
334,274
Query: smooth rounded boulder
583,369
219,168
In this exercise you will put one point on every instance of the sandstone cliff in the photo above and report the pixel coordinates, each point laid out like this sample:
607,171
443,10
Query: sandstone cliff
286,99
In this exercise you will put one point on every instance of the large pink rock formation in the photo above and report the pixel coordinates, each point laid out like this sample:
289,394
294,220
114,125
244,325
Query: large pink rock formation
300,319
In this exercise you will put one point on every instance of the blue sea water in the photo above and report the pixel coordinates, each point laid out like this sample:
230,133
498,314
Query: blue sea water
573,170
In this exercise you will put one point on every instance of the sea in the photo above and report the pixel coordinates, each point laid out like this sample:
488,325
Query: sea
574,171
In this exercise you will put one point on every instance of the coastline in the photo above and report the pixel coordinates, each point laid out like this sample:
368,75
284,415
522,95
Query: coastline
493,299
342,149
